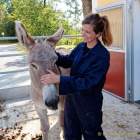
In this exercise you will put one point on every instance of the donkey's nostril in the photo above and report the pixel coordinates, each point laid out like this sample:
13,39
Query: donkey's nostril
34,66
52,104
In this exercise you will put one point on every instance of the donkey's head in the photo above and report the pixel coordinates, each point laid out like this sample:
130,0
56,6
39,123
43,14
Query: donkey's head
42,56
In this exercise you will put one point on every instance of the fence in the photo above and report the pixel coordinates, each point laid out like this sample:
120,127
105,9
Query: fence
37,37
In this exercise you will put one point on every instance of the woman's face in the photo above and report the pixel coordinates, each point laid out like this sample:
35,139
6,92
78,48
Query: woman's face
88,34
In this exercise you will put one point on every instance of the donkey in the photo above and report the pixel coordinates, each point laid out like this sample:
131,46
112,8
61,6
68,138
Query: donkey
42,56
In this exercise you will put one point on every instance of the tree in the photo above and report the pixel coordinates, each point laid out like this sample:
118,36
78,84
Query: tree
2,17
6,21
73,12
7,4
6,24
87,7
44,3
38,19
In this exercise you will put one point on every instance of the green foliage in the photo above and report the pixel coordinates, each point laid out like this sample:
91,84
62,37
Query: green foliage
2,17
9,28
6,21
38,16
70,41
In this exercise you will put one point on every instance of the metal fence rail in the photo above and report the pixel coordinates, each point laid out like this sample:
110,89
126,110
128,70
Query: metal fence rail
37,37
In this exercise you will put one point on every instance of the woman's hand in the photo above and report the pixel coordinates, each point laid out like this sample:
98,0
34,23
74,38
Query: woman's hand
51,78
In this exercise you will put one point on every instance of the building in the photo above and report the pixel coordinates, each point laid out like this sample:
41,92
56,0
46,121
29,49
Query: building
123,79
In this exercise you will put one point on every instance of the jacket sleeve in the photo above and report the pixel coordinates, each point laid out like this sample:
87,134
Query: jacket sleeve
66,61
92,77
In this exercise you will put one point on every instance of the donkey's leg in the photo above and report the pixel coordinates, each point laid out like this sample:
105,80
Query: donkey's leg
61,114
42,113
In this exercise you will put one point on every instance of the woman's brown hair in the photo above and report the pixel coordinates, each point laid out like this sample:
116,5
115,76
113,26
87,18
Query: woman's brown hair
100,25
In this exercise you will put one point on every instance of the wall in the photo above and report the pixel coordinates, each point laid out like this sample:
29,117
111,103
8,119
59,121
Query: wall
136,37
101,3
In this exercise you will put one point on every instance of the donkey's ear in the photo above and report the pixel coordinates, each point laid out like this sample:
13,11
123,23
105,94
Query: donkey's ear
22,35
56,37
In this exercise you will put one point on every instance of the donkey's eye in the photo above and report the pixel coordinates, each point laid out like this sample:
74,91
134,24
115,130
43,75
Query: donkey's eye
34,66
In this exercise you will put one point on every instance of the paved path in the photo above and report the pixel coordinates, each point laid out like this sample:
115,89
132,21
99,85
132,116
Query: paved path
13,72
13,67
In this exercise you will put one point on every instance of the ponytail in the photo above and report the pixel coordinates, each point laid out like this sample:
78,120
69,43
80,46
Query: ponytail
106,34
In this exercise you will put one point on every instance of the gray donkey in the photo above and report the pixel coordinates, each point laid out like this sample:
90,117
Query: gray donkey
42,56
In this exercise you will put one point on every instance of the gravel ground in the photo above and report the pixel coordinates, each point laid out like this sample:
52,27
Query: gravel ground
121,120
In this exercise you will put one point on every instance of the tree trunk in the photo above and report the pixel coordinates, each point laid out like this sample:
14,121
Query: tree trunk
44,3
87,7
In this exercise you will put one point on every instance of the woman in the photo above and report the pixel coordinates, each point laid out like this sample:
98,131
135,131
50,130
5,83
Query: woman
89,63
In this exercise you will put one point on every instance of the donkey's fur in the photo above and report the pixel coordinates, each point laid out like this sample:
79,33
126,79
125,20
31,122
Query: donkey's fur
42,56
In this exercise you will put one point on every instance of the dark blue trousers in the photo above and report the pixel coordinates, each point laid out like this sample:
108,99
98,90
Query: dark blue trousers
80,120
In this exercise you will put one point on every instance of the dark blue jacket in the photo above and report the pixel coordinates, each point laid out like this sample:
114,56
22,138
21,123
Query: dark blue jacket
88,70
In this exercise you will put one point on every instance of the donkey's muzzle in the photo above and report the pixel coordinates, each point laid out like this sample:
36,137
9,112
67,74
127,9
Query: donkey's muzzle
53,104
50,96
